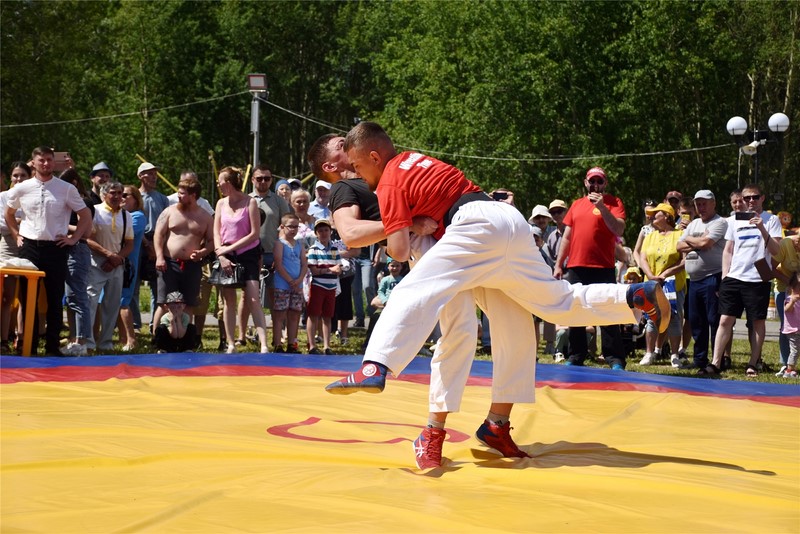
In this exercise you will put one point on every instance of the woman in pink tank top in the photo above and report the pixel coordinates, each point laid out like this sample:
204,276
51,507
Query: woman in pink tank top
236,241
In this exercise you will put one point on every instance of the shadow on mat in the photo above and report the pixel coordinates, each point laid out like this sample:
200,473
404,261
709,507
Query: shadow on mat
567,454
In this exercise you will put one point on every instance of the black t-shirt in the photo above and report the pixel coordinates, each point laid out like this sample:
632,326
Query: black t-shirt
355,191
73,219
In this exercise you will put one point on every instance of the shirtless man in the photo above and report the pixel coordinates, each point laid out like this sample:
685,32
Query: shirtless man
183,238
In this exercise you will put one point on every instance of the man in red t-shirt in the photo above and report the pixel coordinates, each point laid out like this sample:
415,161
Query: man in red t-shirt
593,224
485,254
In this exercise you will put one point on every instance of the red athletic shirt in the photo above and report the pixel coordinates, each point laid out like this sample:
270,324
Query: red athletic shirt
414,184
591,242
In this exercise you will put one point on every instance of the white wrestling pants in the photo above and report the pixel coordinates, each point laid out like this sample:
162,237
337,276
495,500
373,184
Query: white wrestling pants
487,255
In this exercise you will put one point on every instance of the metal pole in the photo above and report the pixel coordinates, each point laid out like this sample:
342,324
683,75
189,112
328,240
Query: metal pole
254,127
755,163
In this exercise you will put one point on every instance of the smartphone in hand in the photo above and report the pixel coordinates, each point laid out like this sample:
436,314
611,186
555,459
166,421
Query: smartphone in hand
744,215
61,161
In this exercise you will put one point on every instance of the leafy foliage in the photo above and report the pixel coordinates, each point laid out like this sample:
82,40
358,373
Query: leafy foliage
521,94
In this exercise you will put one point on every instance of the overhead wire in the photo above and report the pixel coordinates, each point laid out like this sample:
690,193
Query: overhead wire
340,129
120,115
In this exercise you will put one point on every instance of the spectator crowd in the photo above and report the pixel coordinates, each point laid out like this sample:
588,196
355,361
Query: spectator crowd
278,247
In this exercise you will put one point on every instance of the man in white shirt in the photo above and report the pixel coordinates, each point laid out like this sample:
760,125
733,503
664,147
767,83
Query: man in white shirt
43,235
743,288
319,207
110,243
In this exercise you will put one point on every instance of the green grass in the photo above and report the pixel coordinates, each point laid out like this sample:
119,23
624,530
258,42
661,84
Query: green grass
740,356
740,352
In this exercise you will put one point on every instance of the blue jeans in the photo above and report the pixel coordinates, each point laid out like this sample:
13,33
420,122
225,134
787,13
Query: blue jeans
783,339
704,315
78,265
363,279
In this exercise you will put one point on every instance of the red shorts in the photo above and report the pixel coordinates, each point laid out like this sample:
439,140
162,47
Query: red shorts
321,302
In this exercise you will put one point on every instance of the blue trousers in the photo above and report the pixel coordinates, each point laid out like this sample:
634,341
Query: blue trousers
704,315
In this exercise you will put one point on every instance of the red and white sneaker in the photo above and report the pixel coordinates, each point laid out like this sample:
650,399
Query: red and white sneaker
428,447
498,437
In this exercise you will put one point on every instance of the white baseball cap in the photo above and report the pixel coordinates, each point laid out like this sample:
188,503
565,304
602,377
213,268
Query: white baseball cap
704,193
146,166
540,210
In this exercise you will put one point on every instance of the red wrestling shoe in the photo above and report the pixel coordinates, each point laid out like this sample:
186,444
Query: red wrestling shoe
650,298
497,437
371,378
428,447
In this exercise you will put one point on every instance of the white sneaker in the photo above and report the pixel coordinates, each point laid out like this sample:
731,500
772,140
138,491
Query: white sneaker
559,357
75,349
676,362
648,359
779,374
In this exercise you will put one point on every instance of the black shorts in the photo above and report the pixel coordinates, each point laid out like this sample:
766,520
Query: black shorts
251,260
736,296
183,276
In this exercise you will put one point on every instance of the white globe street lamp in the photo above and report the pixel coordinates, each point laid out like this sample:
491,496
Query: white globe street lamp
749,141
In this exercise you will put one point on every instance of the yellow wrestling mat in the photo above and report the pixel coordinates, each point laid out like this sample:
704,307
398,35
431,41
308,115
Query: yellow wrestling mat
271,451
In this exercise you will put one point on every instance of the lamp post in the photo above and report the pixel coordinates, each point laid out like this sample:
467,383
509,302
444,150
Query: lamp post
257,84
749,141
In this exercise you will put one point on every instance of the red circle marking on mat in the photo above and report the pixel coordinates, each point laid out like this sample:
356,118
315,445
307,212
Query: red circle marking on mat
286,431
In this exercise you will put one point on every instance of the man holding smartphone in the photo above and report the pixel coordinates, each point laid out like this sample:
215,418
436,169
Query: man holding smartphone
751,236
503,195
592,226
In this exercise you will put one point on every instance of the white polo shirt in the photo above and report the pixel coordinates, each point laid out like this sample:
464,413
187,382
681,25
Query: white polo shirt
46,207
108,229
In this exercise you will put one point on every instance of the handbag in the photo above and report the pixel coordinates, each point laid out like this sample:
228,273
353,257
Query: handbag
671,293
218,277
129,272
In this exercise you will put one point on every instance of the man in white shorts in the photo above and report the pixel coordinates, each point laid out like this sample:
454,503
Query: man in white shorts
485,253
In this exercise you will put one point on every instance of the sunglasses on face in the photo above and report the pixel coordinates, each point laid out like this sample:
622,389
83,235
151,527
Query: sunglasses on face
751,198
262,178
594,181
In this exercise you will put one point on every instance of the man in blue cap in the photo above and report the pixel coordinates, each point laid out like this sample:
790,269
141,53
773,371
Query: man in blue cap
101,173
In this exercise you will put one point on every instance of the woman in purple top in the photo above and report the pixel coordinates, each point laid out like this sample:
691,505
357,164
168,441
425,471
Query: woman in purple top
236,241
